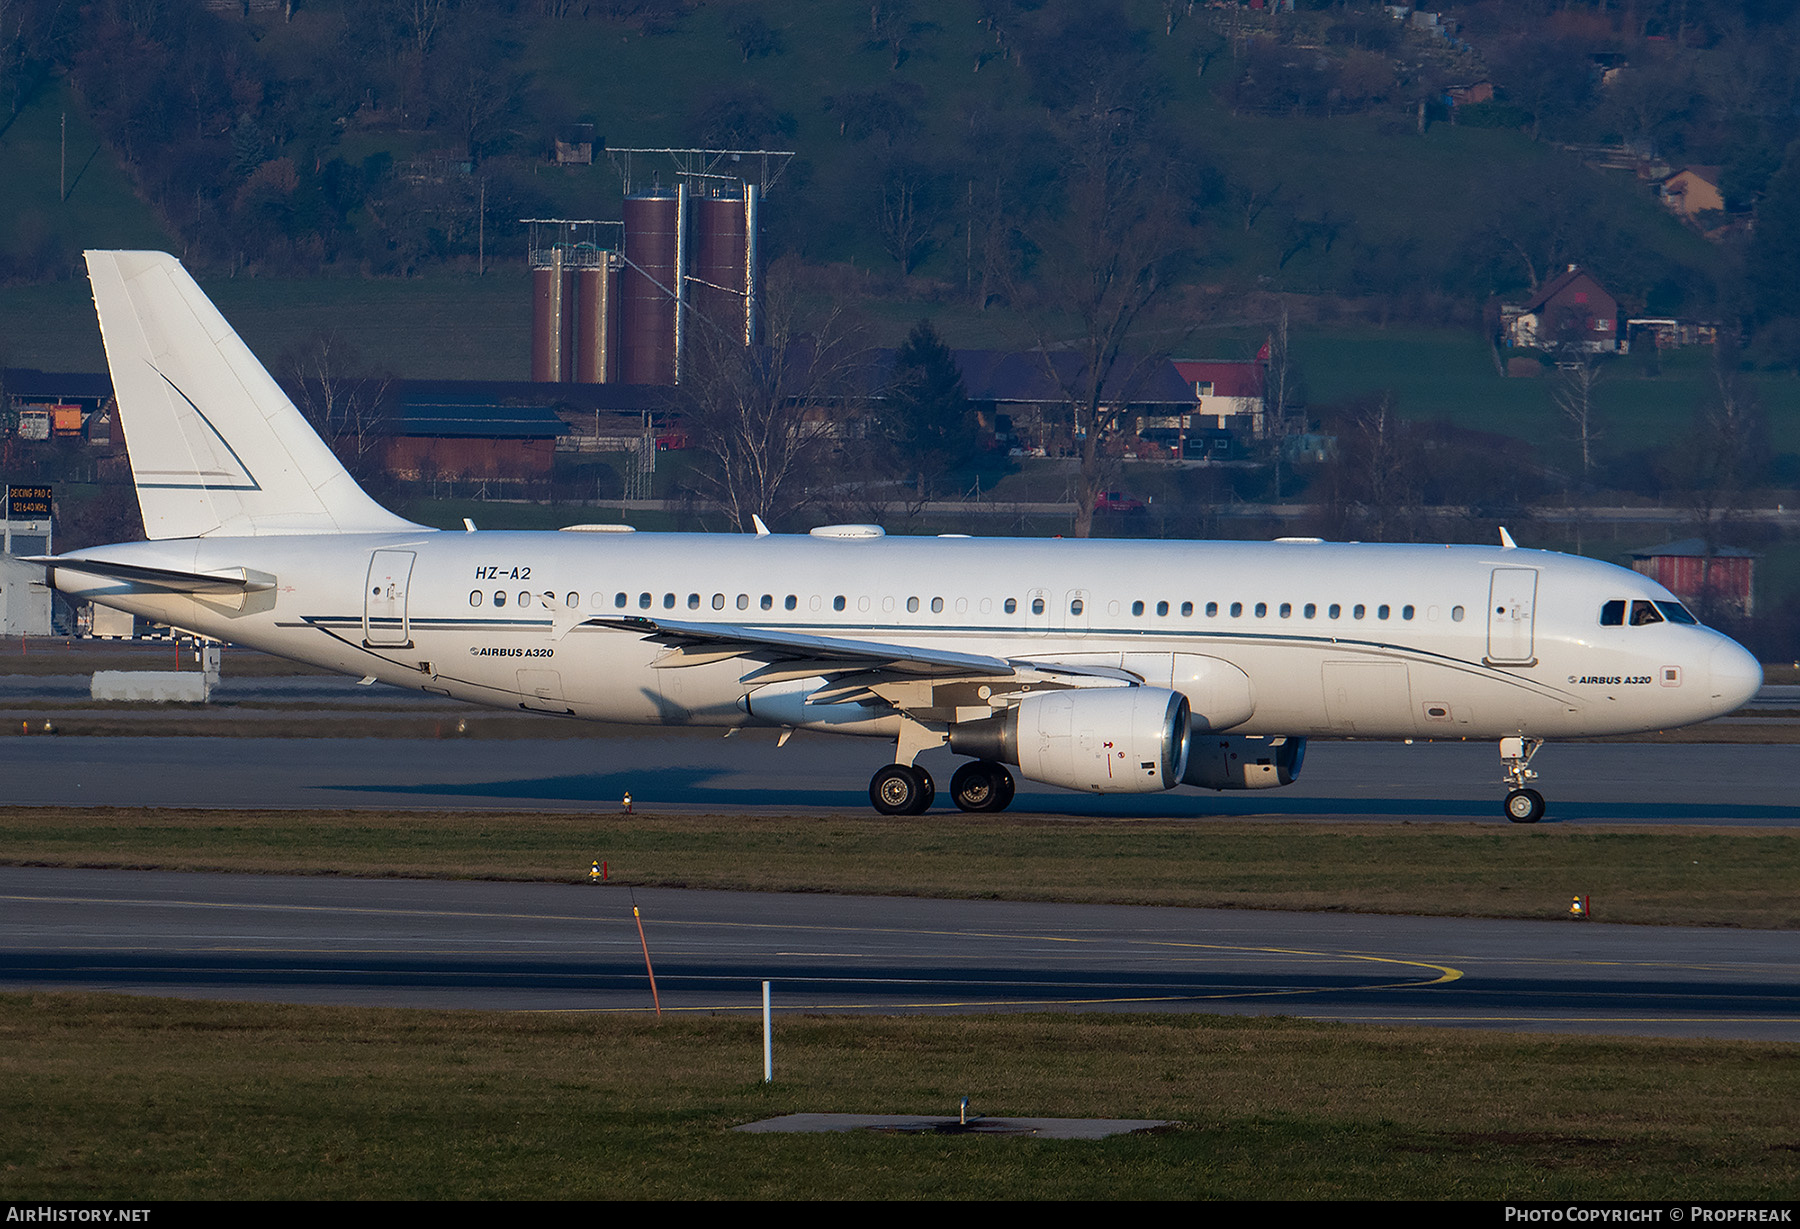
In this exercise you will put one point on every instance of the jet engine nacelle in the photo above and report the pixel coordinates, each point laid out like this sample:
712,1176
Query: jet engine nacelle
1243,761
1110,740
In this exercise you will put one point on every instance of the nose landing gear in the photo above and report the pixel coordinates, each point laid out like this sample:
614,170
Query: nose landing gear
1523,805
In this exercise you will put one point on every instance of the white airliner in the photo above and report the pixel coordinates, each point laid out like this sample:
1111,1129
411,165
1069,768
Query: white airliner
1108,666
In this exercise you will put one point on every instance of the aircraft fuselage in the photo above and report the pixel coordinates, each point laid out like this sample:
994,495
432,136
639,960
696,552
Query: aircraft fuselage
1331,639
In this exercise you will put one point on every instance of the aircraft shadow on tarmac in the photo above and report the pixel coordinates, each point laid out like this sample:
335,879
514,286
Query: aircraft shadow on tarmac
700,787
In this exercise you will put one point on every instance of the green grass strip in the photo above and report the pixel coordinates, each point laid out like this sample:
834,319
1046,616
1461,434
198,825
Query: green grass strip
1660,875
137,1099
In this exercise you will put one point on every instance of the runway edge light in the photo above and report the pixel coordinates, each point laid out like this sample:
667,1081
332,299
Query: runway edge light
1578,908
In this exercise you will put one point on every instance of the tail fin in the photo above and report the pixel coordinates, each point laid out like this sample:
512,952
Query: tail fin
216,446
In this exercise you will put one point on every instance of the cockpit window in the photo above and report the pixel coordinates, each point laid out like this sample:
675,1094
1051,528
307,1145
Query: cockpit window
1613,614
1644,613
1675,612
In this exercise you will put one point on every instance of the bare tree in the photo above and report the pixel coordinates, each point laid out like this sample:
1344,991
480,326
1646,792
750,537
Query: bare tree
1579,375
1279,383
340,392
908,213
1106,263
1374,481
1723,455
767,419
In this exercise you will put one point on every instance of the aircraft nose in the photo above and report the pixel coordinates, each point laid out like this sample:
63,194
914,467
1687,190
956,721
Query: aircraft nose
1735,676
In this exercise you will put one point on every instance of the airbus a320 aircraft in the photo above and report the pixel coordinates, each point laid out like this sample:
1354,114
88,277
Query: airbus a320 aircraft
1108,666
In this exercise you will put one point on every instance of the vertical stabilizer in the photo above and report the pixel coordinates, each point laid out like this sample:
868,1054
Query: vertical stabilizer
216,446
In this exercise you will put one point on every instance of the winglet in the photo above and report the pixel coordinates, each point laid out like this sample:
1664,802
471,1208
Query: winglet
762,530
1506,542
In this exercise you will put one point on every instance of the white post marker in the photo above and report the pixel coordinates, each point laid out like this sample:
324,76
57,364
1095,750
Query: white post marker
768,1041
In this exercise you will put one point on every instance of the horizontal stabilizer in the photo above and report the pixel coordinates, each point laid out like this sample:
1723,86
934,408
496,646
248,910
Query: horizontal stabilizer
225,581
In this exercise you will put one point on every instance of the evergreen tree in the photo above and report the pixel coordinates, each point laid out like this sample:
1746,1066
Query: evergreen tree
929,424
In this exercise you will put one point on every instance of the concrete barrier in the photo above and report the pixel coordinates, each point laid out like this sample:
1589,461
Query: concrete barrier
163,686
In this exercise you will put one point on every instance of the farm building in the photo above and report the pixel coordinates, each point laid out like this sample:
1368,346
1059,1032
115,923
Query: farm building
1721,580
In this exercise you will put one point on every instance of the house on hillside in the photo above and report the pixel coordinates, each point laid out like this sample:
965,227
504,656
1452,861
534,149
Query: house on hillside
1570,310
1691,191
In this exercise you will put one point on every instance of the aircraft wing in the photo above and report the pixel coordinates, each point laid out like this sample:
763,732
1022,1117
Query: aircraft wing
930,685
696,644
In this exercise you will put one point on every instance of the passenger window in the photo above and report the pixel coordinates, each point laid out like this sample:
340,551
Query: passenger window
837,603
743,602
574,600
1012,605
668,601
1287,610
912,605
792,601
1262,610
524,598
1310,610
499,598
643,601
1406,612
1644,613
693,601
1212,610
768,601
1356,612
1237,610
1613,614
1335,611
475,598
1381,612
1037,605
1187,610
937,605
1162,608
718,601
1456,614
619,600
1137,608
1075,607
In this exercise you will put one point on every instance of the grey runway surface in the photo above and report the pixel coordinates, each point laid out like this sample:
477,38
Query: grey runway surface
562,947
698,771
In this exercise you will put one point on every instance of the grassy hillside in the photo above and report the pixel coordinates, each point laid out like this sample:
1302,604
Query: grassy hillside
100,208
1396,224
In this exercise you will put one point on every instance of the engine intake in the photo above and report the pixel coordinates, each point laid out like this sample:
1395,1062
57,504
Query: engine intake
1112,740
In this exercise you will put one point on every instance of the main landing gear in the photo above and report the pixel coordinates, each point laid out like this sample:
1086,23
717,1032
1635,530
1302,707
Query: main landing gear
901,789
982,785
905,789
1523,806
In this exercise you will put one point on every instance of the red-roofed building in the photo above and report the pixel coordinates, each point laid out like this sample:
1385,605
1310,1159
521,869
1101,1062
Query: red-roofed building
1229,392
1571,309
